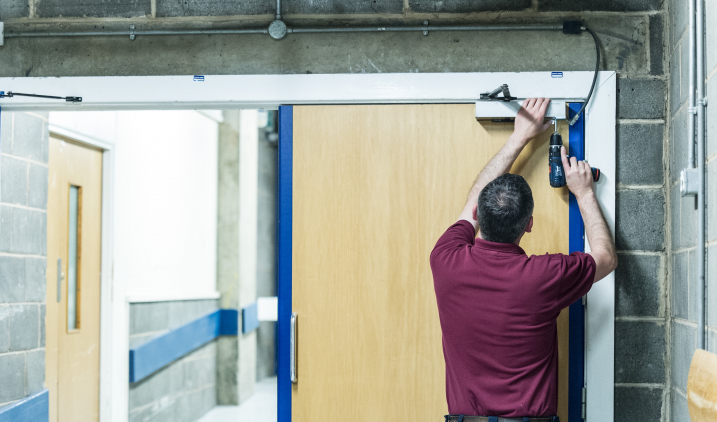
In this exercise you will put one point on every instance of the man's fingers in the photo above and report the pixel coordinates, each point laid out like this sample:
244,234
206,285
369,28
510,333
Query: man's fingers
525,103
573,162
564,157
531,103
536,106
544,106
583,167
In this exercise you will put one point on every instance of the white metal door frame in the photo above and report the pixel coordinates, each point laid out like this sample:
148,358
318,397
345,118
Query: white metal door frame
270,91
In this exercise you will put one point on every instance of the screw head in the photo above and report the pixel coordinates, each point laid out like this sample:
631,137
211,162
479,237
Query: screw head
277,30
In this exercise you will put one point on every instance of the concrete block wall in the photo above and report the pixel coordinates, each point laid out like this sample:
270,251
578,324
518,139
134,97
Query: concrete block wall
637,38
266,249
711,151
23,253
185,389
237,251
632,41
640,326
683,211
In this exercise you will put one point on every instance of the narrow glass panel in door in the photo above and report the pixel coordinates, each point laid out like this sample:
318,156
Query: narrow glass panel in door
73,259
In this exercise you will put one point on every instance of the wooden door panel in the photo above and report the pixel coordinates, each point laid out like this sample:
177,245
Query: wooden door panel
374,187
72,356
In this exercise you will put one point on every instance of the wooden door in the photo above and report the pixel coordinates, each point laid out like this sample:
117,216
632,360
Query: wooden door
374,187
73,313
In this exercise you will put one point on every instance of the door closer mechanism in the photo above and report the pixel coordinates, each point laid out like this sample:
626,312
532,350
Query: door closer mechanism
493,95
500,106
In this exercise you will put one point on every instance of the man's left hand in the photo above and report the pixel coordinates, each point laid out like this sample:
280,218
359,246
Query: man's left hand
530,121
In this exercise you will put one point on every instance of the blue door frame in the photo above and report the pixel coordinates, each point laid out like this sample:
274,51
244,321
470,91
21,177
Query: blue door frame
576,374
576,341
284,233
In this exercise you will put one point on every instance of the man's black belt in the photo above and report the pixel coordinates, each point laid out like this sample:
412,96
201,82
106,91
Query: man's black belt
466,418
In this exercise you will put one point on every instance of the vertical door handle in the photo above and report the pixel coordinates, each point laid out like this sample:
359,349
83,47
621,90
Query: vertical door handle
59,280
292,349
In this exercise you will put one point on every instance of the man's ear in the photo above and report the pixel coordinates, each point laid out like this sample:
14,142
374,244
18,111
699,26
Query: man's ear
475,212
529,227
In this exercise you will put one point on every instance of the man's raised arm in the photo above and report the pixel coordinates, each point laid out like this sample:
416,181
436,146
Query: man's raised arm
529,123
602,248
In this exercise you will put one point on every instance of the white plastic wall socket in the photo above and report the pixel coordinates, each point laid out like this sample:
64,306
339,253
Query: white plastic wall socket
689,182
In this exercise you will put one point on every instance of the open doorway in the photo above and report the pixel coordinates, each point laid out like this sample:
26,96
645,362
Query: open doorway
192,198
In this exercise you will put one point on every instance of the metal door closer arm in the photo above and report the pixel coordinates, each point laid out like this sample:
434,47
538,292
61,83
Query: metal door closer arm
11,94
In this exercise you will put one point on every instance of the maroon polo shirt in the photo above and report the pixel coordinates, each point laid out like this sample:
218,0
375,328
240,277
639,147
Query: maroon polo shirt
498,309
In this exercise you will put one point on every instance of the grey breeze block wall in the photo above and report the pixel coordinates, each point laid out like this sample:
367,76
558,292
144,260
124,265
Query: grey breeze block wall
24,142
683,211
185,389
633,37
266,248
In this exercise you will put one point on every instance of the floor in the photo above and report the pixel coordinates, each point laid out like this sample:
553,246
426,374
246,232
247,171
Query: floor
260,407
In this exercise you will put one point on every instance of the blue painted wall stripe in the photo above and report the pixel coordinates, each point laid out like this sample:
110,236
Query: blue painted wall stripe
285,198
229,322
155,354
249,318
576,347
34,408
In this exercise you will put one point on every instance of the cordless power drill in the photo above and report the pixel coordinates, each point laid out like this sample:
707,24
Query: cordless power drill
557,173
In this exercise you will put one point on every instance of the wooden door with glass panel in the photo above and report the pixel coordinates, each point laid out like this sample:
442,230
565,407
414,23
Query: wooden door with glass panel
374,187
73,282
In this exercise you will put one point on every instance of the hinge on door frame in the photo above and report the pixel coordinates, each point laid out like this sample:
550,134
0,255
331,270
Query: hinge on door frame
584,403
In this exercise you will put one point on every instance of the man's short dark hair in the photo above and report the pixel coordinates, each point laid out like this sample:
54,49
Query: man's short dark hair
505,206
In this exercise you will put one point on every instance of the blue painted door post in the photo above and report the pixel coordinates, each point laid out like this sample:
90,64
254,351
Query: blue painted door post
284,233
576,353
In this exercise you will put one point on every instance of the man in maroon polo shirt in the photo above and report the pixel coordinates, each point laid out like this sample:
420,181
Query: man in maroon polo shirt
498,307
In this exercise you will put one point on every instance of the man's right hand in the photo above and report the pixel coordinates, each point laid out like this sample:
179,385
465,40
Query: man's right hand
578,175
579,178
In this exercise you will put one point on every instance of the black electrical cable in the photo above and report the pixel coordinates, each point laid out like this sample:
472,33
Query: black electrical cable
597,68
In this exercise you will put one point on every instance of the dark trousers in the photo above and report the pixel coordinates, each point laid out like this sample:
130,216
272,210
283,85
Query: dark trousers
468,418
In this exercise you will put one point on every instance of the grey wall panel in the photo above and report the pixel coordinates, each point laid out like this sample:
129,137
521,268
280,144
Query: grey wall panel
184,390
24,140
